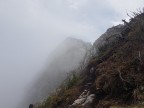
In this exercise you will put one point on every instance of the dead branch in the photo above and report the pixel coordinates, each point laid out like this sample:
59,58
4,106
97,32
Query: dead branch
120,75
129,16
140,56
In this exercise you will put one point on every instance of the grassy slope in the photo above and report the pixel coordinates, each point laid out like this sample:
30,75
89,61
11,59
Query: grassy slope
118,73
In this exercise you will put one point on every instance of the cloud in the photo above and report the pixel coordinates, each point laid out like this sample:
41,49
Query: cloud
124,6
75,4
29,31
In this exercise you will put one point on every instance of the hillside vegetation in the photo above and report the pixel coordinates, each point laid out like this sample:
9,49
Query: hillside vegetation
114,75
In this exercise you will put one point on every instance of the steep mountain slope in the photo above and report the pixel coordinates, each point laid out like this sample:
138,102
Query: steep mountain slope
114,75
64,59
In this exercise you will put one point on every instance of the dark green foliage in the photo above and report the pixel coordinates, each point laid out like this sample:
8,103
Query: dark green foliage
64,94
102,49
72,81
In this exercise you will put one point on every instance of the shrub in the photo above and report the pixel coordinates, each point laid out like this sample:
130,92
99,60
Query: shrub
72,81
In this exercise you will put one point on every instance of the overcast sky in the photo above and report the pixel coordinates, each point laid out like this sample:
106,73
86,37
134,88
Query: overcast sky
31,29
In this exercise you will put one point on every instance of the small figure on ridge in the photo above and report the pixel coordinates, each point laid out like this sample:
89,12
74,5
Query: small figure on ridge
31,106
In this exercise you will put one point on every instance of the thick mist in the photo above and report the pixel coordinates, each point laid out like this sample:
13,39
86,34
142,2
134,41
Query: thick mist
67,57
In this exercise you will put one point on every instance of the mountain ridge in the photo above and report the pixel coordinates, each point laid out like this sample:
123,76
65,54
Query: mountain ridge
113,77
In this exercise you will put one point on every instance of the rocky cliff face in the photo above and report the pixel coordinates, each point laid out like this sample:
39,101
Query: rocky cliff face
64,59
109,36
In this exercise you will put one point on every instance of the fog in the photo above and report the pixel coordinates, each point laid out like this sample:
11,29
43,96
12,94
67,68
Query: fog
65,59
30,30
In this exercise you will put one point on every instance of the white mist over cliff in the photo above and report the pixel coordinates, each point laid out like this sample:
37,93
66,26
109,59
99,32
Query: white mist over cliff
64,59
